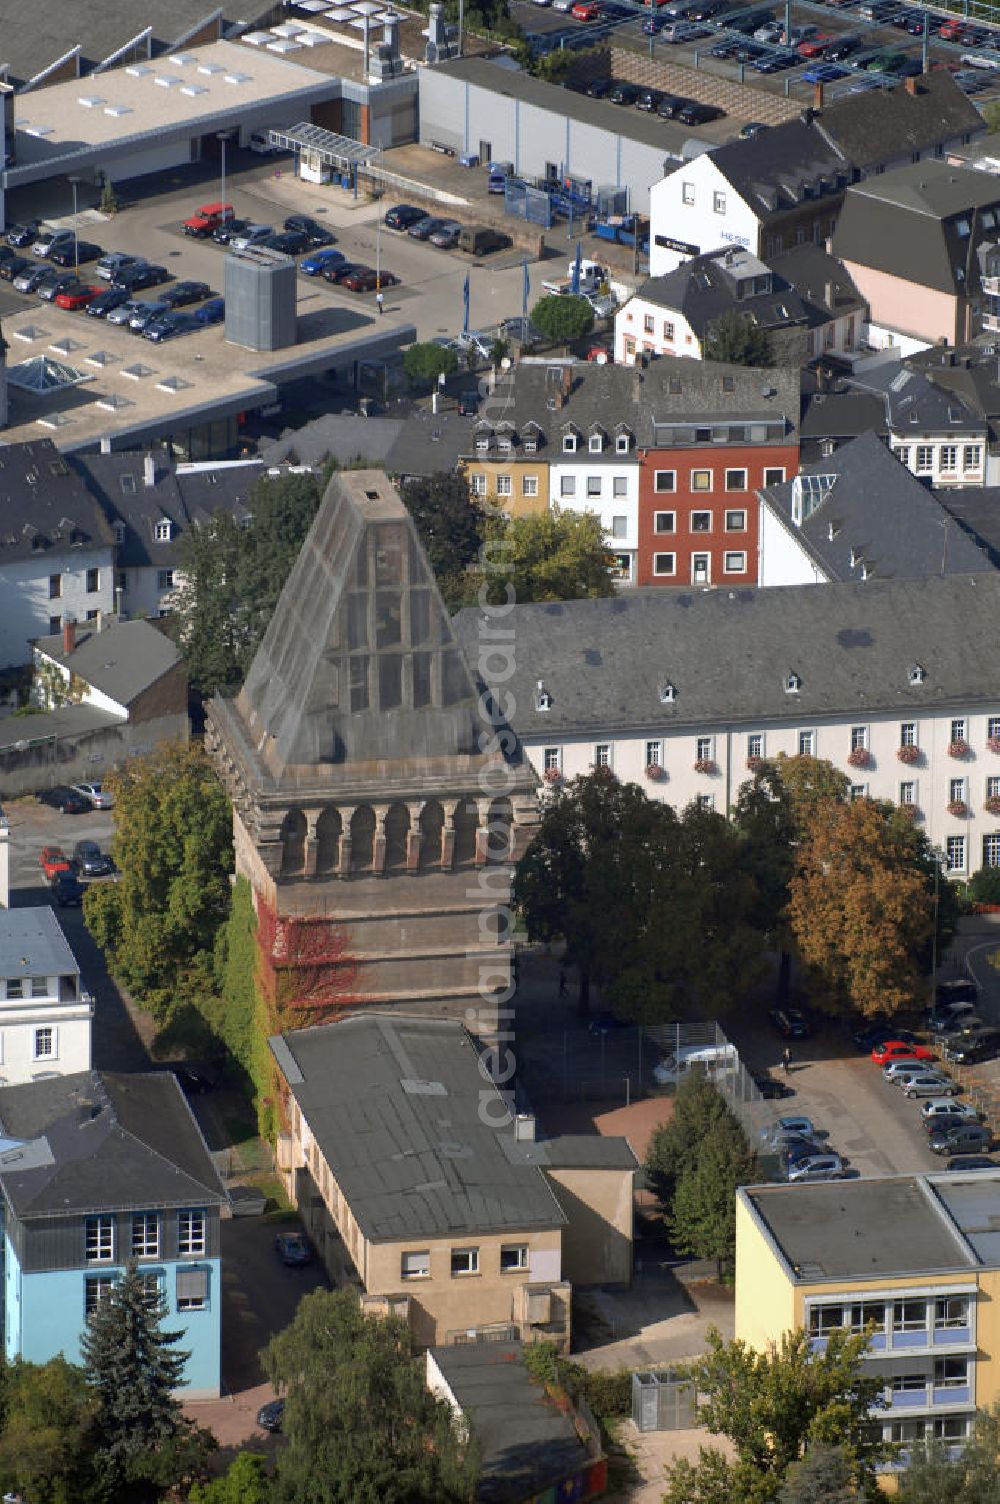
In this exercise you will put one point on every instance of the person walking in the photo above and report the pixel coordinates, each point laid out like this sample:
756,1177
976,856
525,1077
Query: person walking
379,301
786,1059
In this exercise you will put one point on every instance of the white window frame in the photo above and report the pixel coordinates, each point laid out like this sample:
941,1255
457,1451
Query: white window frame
477,484
47,1034
505,485
695,484
529,485
959,729
192,1233
470,1256
594,487
621,443
664,573
164,579
654,754
99,1239
704,748
551,759
164,530
734,527
567,485
421,1260
806,743
664,532
687,193
520,1261
145,1243
736,470
595,443
859,738
569,443
718,201
908,734
774,475
96,1288
728,567
755,744
661,486
692,525
908,791
956,854
603,754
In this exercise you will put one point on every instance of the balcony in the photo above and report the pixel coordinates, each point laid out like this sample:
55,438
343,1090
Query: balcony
928,1396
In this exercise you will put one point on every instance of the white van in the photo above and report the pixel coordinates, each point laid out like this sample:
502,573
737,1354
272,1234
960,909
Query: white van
713,1059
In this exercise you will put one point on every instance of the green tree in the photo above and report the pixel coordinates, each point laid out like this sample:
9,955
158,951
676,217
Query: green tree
773,1406
807,781
174,850
361,1425
562,318
702,1216
451,525
675,1145
425,362
826,1475
971,1477
142,1441
45,1443
984,885
736,339
861,907
246,1481
547,556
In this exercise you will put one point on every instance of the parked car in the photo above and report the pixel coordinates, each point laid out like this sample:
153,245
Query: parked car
972,1162
696,113
114,262
269,1416
816,1167
943,1107
586,10
185,292
224,232
315,233
138,278
785,1125
402,216
169,325
34,276
867,1035
423,229
480,240
970,1046
366,279
676,32
253,235
893,1049
777,62
49,288
842,47
815,46
102,305
960,1138
596,89
751,130
123,311
91,860
68,890
316,262
903,1066
791,1023
97,796
293,1250
288,242
950,1018
623,93
445,237
75,298
668,106
65,799
144,313
928,1084
212,312
47,241
16,266
823,73
54,860
76,253
23,232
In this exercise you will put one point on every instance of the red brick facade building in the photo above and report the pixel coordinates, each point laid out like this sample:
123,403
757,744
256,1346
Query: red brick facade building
698,512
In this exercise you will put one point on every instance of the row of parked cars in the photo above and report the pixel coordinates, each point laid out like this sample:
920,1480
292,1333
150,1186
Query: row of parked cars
653,101
802,1151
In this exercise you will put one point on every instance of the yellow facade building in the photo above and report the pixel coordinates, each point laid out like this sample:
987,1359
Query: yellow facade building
916,1257
518,484
419,1183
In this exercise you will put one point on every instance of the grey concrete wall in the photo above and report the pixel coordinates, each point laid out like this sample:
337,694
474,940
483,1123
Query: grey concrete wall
71,759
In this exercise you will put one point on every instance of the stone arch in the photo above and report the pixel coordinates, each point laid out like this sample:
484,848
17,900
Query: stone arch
397,828
293,843
431,826
498,830
362,838
466,827
328,832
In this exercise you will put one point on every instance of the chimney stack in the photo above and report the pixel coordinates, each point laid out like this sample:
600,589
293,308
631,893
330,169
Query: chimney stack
149,470
69,635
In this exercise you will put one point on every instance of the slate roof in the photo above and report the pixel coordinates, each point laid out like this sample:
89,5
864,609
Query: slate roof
122,660
185,498
526,1442
97,1141
704,288
883,124
874,516
32,944
972,372
729,652
906,223
338,436
976,510
663,403
397,1108
914,403
773,171
577,1151
44,505
841,415
821,281
33,38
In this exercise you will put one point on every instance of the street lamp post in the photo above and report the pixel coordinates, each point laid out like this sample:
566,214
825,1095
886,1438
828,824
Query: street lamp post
76,238
222,137
378,225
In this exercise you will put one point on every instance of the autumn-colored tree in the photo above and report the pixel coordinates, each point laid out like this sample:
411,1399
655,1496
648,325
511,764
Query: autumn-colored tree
861,907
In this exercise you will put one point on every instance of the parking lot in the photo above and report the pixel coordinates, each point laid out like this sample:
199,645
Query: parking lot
729,41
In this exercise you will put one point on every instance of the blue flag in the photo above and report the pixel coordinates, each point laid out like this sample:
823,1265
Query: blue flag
574,286
526,288
465,305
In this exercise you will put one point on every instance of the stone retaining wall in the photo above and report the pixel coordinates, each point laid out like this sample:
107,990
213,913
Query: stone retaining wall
741,100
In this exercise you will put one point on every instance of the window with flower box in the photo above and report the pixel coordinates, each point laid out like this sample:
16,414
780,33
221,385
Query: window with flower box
956,791
654,754
755,746
551,759
859,738
908,734
959,729
703,749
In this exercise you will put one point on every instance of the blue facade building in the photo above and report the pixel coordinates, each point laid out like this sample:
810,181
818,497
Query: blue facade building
95,1169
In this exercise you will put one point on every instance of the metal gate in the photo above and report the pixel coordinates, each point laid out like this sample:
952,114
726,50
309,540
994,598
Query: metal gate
663,1401
532,204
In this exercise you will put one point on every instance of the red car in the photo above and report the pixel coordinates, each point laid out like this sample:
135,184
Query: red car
366,279
586,10
54,860
815,46
952,30
895,1049
77,297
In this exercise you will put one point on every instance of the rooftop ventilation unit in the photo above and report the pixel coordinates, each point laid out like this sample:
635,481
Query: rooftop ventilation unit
138,70
117,110
193,90
239,78
90,101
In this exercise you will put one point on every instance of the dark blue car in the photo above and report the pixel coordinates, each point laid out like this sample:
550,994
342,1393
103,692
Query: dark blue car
212,312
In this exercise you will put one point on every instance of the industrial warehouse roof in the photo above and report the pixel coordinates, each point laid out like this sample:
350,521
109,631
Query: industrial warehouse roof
397,1108
94,1141
33,38
32,944
864,1229
729,654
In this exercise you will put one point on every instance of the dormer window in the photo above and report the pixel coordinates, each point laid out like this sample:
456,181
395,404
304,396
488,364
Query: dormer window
543,700
529,443
505,442
596,441
917,673
569,442
668,693
484,437
792,683
164,531
119,532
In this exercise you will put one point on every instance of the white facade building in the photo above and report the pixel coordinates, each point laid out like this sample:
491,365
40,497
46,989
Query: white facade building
45,1015
38,592
694,210
604,481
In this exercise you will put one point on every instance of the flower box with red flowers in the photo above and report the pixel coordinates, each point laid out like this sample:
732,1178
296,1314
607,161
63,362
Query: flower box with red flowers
553,775
959,747
958,808
991,804
754,764
859,757
705,765
908,754
654,772
993,742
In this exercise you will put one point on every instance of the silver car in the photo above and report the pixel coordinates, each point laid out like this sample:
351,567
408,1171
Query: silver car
816,1167
144,313
252,235
445,237
928,1084
123,312
903,1065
